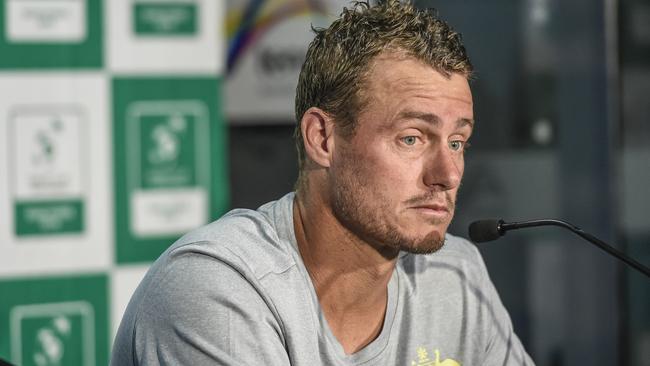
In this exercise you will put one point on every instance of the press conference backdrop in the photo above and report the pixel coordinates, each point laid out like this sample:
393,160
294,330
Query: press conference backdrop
112,144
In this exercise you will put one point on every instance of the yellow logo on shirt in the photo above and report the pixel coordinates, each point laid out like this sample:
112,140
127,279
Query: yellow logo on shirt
424,360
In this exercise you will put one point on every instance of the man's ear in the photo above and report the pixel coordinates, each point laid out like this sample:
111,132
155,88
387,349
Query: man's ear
317,129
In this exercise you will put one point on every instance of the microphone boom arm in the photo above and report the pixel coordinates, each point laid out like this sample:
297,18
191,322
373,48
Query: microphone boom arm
503,227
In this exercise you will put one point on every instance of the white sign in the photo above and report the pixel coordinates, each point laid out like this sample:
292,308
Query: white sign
55,21
47,151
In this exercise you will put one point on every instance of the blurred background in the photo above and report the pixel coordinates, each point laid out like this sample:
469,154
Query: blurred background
125,123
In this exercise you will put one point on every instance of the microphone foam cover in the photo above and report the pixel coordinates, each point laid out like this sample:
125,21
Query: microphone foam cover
484,230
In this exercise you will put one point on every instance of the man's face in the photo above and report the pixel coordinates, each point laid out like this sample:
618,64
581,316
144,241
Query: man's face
394,182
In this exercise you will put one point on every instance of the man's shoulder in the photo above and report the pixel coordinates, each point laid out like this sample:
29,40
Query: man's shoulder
211,269
255,241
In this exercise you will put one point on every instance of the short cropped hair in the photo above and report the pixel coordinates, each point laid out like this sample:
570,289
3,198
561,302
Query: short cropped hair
339,58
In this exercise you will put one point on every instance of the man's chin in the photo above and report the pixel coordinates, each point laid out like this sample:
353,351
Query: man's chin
428,244
426,248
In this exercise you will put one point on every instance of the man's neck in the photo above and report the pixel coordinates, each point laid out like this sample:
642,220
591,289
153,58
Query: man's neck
350,277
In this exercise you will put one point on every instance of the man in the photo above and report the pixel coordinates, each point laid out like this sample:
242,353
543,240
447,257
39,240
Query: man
356,267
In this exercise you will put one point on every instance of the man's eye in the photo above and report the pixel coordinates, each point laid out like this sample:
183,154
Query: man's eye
410,140
456,145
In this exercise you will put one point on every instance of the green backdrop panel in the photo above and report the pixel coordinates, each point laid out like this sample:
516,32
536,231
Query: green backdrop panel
169,161
54,321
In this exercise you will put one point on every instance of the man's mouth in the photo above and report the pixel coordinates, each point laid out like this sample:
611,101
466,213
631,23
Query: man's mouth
433,206
432,210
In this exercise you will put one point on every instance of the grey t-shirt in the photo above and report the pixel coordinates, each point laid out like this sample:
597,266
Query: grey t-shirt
236,292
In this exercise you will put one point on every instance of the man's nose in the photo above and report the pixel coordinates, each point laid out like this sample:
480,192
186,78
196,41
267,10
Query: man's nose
443,169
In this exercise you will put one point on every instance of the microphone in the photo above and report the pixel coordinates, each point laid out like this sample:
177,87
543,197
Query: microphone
487,230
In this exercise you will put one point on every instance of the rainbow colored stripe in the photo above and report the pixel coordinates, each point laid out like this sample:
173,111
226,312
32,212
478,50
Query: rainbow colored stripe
244,28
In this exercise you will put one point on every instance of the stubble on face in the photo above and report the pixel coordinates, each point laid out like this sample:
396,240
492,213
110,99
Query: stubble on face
365,213
384,193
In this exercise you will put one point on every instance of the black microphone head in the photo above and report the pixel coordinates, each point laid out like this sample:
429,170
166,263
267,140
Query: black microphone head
484,230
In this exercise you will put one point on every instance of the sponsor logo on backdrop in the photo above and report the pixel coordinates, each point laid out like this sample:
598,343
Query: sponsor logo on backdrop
53,334
175,18
51,21
168,166
48,169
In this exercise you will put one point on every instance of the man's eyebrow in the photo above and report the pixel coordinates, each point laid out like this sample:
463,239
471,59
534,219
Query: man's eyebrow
465,122
427,117
433,118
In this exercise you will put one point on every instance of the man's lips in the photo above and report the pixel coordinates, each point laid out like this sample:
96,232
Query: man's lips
432,209
431,202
